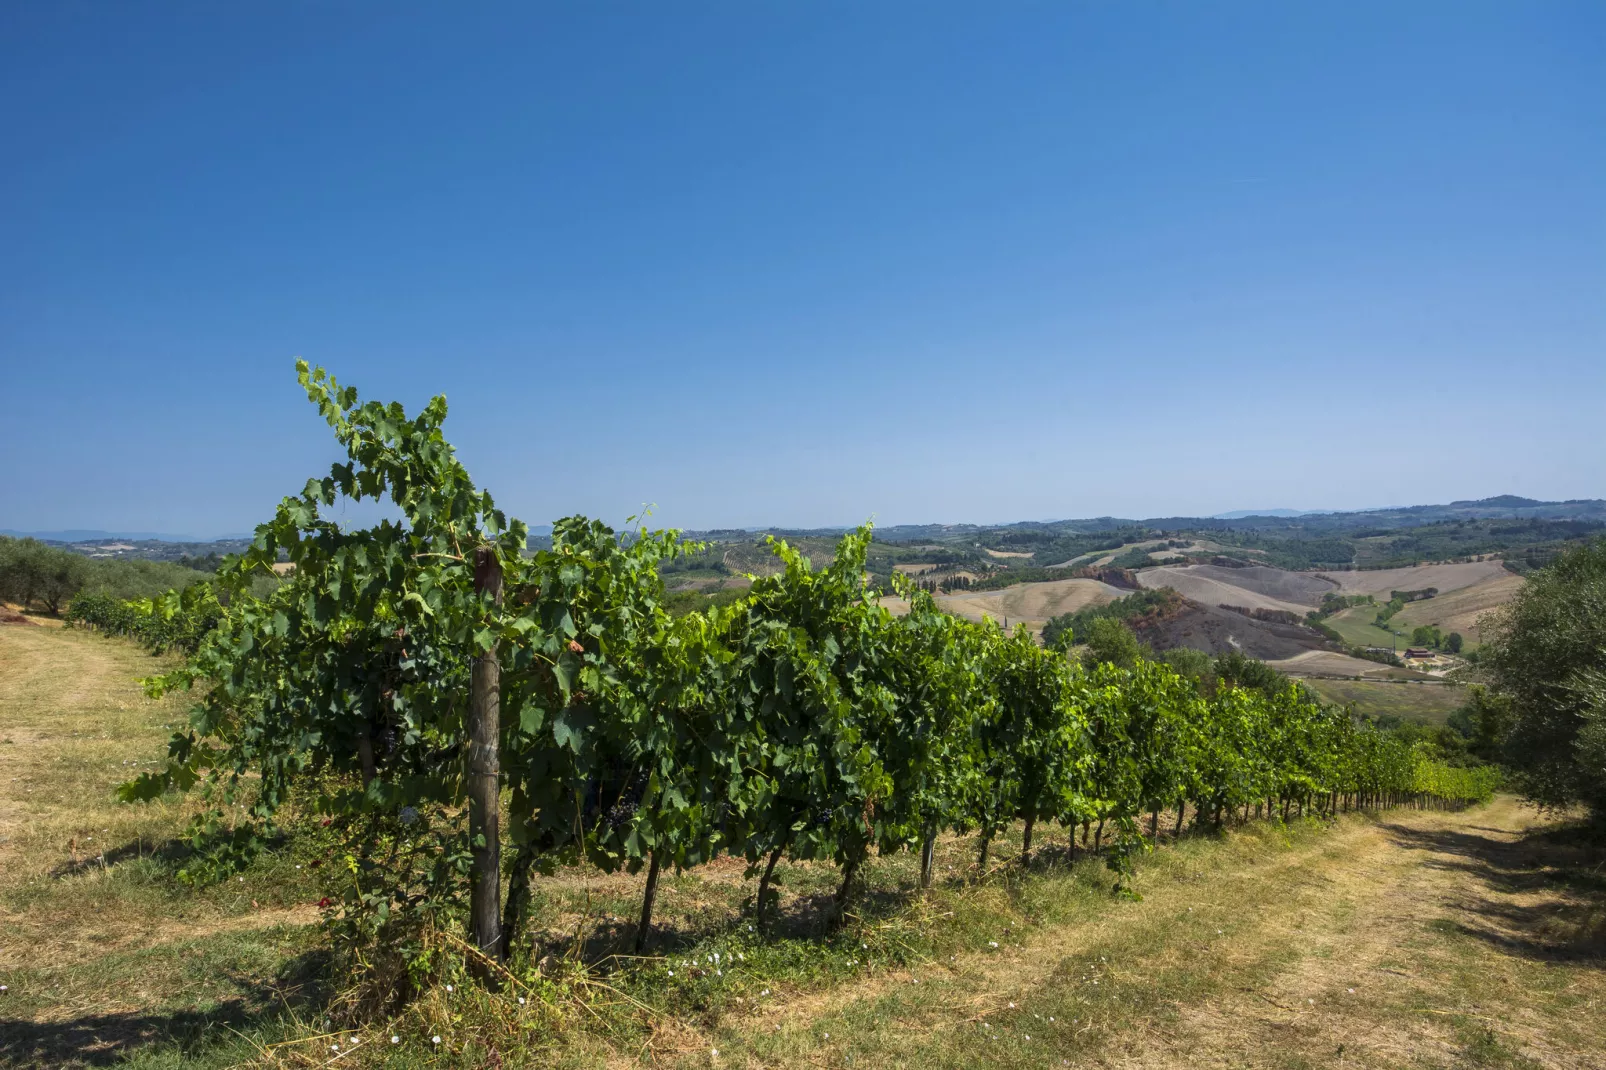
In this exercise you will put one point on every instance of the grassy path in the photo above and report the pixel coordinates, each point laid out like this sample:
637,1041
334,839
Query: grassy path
99,949
1414,940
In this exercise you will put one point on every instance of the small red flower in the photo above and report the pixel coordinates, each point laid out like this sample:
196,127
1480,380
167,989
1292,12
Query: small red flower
328,821
325,903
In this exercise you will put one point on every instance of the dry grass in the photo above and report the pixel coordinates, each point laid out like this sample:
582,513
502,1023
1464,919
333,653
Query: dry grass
1422,940
1446,578
1460,611
92,925
72,719
1032,604
1332,663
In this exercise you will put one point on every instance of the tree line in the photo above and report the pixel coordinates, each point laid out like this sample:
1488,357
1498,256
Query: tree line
36,575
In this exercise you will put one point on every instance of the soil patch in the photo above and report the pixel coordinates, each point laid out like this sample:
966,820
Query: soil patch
1217,631
1255,587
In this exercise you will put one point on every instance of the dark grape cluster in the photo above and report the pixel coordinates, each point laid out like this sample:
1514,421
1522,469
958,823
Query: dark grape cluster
620,813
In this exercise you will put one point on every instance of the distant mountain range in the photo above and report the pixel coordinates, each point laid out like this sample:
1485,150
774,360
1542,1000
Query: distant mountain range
72,535
1286,521
1289,521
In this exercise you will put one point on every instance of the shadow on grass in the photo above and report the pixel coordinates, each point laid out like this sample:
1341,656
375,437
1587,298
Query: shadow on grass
1545,892
169,853
107,1039
810,916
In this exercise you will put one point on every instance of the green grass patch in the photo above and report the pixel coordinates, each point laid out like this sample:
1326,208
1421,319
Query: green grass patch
1356,626
1428,702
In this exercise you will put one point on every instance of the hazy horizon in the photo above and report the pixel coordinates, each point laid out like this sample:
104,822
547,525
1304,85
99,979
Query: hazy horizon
89,533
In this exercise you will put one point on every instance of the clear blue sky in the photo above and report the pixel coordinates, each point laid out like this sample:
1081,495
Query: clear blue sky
803,263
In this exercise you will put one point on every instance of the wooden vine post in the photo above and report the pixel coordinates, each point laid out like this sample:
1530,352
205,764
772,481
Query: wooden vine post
484,775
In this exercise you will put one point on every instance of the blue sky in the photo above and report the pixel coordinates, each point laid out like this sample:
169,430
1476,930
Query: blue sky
802,264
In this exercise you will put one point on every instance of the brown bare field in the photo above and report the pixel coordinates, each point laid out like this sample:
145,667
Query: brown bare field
1460,611
1445,577
894,605
1032,604
1211,586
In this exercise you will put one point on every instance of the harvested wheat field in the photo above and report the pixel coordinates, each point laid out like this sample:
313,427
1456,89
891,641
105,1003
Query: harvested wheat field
1445,577
1032,604
1332,663
1460,610
1252,588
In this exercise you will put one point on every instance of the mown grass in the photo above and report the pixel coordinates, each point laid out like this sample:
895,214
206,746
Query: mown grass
1356,626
